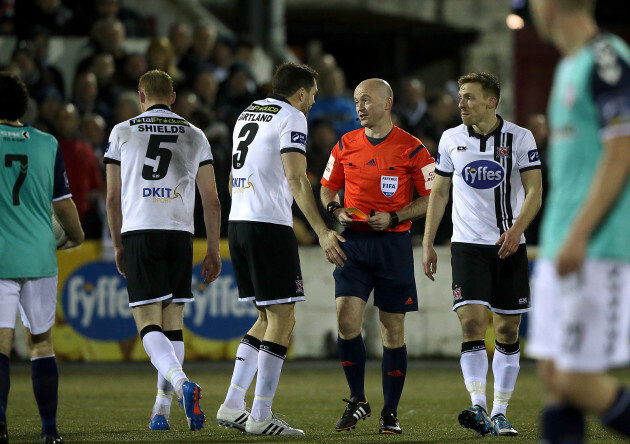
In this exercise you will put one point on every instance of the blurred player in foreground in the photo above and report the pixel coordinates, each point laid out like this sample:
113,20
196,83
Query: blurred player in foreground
581,317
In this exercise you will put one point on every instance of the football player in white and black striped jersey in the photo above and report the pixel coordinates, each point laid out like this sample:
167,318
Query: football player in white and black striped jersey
494,167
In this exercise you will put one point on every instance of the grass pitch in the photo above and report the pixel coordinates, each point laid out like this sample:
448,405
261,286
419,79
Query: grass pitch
112,403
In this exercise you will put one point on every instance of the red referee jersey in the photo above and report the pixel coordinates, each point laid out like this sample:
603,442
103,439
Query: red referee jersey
381,177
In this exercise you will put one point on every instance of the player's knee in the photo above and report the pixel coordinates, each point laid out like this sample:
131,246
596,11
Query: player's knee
348,327
506,333
473,328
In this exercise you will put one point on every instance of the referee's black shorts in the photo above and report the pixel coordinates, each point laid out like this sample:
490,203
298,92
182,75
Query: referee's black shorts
481,277
266,262
158,266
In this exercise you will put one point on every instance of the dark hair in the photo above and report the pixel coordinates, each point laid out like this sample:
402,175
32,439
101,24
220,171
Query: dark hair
290,77
489,82
13,97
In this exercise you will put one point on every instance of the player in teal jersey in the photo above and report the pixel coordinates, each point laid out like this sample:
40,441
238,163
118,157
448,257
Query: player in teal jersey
33,176
581,317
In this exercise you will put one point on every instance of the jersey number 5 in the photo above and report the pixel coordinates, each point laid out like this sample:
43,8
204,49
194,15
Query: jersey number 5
8,161
248,132
154,150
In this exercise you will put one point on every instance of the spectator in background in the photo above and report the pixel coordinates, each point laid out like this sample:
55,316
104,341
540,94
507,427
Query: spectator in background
442,114
113,9
185,104
85,96
84,175
180,36
106,36
102,65
160,55
135,65
207,87
48,102
200,52
29,72
235,93
51,14
334,103
92,129
7,17
222,57
127,107
40,41
411,108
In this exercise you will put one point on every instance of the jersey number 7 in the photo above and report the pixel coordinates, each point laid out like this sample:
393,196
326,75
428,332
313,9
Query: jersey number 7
8,161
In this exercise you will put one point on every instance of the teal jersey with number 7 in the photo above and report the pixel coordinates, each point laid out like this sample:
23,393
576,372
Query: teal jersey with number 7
33,176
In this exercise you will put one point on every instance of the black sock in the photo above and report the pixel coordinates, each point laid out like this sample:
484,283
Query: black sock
562,424
394,369
5,384
352,356
618,414
45,386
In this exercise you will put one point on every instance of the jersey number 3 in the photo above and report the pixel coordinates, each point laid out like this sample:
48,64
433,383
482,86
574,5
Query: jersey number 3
8,161
248,132
154,150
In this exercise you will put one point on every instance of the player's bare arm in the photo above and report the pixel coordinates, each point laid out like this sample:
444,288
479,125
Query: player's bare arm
609,179
341,214
511,239
211,265
438,199
114,213
66,212
295,170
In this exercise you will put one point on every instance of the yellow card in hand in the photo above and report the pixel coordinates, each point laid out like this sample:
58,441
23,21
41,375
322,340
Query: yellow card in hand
356,213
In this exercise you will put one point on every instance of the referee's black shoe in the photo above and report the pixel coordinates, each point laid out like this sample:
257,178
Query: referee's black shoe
4,436
355,410
389,423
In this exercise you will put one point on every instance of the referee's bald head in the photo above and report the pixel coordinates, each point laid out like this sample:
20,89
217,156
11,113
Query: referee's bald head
379,86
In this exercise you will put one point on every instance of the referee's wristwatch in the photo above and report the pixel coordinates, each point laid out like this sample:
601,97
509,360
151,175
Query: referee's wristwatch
332,207
394,219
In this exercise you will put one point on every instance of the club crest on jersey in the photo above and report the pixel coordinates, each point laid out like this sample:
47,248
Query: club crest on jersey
503,151
389,185
457,294
483,174
299,286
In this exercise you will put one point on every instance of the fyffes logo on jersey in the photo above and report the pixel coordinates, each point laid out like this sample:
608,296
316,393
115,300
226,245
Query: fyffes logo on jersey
483,174
95,303
216,312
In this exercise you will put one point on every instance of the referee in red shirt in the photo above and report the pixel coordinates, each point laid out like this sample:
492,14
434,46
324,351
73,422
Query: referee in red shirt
378,166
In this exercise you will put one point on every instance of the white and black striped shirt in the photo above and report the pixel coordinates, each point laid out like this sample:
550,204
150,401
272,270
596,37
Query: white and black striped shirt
487,189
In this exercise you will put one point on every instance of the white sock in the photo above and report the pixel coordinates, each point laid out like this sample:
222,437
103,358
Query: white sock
163,358
245,368
505,367
474,363
270,359
164,388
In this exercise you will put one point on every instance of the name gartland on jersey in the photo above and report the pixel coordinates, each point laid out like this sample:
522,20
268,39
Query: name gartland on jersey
159,154
487,189
263,132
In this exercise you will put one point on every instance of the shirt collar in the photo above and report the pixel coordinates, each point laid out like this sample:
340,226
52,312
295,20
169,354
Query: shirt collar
159,106
278,97
495,132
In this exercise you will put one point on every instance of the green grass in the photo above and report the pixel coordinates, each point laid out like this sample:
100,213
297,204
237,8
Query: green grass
112,403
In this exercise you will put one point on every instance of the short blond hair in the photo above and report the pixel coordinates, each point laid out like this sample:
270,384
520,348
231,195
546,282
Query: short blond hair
156,84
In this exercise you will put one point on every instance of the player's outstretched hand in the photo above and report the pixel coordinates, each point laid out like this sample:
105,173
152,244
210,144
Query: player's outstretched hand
211,267
429,261
509,241
380,221
119,256
329,241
